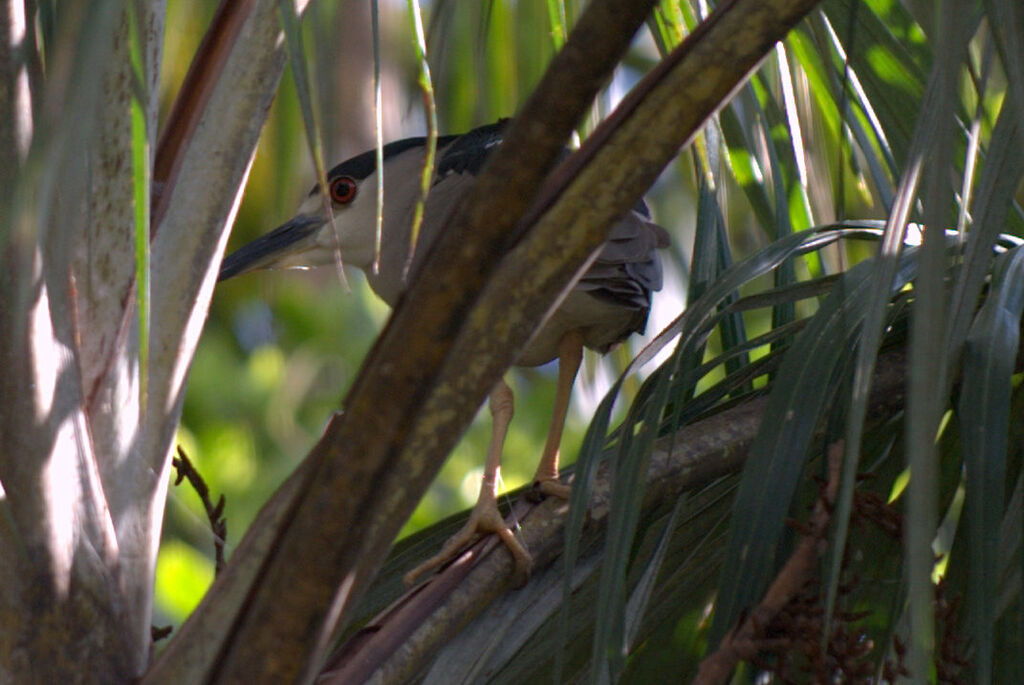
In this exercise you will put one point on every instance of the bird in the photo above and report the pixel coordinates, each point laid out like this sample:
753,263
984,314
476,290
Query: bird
609,302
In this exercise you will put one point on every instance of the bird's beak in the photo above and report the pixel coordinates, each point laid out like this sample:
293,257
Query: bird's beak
281,248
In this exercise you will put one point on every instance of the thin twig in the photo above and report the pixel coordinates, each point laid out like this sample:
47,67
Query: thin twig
746,640
215,513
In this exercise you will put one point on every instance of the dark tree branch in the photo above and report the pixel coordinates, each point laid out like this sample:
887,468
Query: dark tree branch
214,512
428,617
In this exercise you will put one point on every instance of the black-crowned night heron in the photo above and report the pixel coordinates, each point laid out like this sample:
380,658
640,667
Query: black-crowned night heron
609,303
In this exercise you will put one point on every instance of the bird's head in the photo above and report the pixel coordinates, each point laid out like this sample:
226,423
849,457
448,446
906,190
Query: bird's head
310,239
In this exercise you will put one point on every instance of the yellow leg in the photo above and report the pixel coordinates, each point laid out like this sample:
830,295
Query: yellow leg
570,353
485,517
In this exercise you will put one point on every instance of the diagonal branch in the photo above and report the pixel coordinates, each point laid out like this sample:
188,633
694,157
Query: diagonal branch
430,618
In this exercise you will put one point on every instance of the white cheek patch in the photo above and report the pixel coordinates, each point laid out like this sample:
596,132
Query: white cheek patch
327,238
313,205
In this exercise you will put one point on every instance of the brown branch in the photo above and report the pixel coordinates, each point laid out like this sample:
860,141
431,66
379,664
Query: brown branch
214,512
747,639
404,638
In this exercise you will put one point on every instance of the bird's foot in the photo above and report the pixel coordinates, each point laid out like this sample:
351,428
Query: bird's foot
553,488
485,518
548,487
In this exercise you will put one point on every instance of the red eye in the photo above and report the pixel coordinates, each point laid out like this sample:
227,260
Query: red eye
343,190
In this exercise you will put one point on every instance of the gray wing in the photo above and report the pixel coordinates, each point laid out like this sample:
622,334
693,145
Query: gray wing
628,269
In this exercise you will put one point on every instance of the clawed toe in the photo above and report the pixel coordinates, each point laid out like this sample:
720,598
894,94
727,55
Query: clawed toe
484,519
